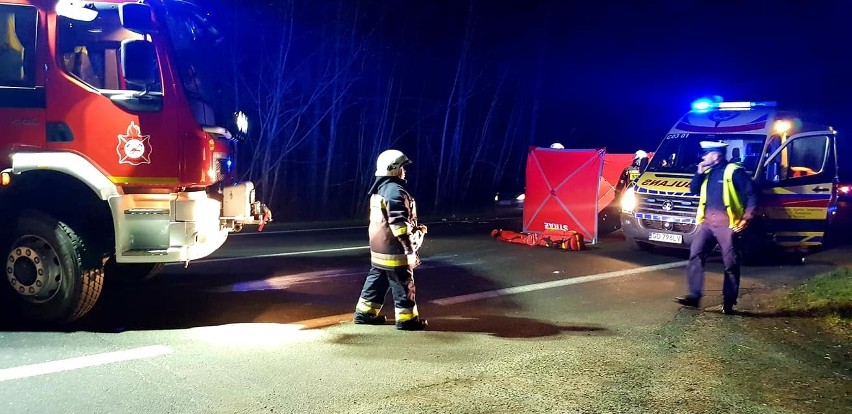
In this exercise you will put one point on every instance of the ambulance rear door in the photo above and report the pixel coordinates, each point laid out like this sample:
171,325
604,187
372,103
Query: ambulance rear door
795,182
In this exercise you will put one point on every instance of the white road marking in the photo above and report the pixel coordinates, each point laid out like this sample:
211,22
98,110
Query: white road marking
486,220
555,283
82,362
260,256
255,233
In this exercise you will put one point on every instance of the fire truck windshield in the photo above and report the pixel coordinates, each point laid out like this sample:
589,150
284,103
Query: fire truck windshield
198,56
681,153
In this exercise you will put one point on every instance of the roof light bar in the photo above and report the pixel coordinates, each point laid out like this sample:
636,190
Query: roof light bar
705,104
743,105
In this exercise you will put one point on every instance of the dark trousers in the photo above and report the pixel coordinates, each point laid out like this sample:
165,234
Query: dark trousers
705,240
399,280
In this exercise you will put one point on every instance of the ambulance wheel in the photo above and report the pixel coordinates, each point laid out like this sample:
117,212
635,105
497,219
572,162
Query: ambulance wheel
49,277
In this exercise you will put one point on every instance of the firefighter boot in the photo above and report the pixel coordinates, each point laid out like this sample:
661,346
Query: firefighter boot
415,324
367,319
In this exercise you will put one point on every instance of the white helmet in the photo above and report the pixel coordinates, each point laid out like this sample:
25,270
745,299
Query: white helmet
557,145
390,162
640,154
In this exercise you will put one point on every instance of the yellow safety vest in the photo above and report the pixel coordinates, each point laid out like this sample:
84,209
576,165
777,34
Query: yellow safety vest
632,174
729,196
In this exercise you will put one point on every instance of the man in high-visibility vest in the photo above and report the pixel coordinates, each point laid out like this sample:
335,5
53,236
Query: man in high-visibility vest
726,204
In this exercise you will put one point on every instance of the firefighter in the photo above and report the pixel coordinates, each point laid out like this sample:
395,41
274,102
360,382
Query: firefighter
726,204
631,172
395,237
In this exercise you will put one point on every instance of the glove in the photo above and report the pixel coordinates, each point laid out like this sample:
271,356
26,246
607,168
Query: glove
413,260
740,225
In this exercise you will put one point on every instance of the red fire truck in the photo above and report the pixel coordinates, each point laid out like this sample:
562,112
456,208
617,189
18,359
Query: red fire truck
115,158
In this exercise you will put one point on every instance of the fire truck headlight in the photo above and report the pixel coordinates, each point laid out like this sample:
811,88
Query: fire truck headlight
242,122
628,201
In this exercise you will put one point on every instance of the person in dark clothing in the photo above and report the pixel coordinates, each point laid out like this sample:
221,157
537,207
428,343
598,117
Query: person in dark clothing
631,172
727,202
395,237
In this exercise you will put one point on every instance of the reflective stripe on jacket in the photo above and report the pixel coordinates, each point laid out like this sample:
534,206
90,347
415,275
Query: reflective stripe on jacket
392,215
733,204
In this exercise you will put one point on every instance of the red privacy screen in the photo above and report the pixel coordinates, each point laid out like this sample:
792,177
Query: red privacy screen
562,188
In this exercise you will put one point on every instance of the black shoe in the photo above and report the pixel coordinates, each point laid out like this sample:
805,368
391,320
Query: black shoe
690,301
365,319
728,309
415,324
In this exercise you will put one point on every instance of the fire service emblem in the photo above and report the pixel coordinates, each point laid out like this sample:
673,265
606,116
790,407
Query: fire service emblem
133,148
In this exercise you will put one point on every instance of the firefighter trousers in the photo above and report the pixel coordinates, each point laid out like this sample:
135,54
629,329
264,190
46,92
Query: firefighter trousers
400,281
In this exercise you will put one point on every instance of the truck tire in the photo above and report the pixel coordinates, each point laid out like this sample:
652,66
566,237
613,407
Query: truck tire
49,276
122,274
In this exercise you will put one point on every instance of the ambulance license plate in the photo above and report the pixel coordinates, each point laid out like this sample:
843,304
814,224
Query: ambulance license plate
666,238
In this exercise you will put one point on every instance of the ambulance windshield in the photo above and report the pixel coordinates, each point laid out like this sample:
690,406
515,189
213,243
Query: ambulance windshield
681,153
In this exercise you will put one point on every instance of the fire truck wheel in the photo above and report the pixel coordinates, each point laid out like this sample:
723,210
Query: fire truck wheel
45,271
129,273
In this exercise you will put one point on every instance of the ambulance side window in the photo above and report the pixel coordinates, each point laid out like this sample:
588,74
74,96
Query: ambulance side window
801,157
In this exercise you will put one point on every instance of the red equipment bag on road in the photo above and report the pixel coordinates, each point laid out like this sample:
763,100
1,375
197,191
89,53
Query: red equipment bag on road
557,239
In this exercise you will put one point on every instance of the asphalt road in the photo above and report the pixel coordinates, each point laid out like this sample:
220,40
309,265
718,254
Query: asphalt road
264,326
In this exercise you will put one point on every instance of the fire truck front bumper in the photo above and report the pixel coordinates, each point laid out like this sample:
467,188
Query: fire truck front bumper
180,227
239,207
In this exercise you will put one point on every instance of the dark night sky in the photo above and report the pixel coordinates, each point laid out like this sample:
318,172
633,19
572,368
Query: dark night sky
629,68
588,74
612,69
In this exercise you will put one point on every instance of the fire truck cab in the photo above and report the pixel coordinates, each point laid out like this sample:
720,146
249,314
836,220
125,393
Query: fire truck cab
792,157
115,158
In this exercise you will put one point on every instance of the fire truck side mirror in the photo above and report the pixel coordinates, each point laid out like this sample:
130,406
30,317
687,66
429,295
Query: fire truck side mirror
136,17
139,62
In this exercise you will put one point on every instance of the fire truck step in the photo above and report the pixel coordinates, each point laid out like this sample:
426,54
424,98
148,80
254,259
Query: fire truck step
144,252
147,211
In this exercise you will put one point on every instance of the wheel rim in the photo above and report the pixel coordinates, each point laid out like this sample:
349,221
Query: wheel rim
33,269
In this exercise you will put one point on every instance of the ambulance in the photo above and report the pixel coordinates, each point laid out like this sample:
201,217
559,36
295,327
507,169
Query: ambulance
792,156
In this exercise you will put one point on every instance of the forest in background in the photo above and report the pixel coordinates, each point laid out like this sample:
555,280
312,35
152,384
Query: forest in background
464,88
330,85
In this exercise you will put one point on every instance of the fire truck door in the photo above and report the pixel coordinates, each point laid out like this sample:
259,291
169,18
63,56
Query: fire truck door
22,97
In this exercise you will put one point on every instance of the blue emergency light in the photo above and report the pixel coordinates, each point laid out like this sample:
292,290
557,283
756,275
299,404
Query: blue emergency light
702,104
705,104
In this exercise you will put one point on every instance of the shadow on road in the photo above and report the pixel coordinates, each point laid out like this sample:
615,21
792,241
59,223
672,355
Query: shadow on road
507,326
273,290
